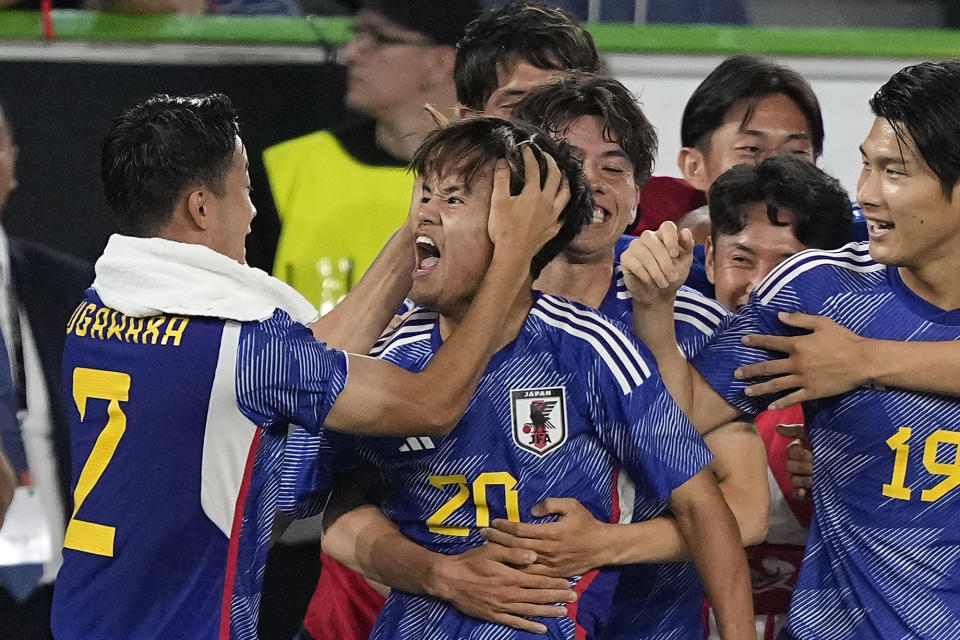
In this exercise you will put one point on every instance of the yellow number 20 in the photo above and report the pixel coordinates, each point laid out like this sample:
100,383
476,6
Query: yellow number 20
114,386
435,523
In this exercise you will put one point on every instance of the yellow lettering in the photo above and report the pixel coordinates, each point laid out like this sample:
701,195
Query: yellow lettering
100,323
73,318
134,327
115,328
84,320
175,329
153,329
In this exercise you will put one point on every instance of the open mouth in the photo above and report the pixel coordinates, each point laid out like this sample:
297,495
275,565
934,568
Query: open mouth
600,215
427,253
878,228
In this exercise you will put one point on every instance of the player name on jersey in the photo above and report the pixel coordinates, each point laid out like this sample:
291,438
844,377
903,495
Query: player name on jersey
90,320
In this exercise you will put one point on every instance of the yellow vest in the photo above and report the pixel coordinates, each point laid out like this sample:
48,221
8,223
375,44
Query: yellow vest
336,212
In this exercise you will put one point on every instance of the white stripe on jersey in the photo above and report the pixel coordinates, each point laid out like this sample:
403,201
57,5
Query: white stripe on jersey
419,321
620,355
227,439
854,256
698,310
620,285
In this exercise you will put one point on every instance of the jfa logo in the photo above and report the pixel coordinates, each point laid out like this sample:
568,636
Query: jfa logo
539,419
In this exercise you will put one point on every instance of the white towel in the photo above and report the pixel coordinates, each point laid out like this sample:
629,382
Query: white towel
149,276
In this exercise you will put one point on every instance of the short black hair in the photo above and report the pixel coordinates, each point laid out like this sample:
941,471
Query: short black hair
161,146
746,77
470,145
925,98
556,105
544,36
822,213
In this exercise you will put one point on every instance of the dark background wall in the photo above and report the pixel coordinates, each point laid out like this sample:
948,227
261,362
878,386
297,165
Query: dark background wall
60,111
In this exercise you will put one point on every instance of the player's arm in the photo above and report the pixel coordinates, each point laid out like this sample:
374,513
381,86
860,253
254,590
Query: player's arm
383,399
654,267
831,360
486,582
577,542
355,324
710,532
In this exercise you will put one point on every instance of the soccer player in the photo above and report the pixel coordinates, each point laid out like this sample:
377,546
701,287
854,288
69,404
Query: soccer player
550,413
184,367
881,560
761,215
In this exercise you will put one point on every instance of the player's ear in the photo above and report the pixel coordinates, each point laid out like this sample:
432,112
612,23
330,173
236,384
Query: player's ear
197,203
693,166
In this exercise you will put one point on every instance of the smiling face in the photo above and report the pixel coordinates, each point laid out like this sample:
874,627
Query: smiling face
736,263
911,223
777,126
232,213
453,249
610,176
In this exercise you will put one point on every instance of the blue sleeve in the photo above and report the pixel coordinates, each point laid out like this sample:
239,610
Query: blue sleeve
646,431
310,463
285,375
696,319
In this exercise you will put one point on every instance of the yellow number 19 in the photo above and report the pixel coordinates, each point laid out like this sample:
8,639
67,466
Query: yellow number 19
899,442
114,386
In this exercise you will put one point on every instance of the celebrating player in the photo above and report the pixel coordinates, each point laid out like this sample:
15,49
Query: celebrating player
882,553
566,408
185,366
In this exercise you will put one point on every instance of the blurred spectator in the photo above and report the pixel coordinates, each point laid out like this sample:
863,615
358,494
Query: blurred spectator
675,11
341,193
39,289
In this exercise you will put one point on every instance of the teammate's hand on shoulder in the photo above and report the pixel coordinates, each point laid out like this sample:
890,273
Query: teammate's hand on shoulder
571,546
488,583
657,263
819,364
799,459
526,221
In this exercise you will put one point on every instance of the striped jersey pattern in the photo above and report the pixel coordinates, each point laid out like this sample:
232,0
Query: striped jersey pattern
573,407
184,439
883,558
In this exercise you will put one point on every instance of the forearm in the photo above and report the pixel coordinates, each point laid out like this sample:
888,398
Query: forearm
710,532
696,398
368,542
356,323
921,366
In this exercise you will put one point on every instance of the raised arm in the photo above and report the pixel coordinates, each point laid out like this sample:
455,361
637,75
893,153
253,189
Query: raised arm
654,267
831,360
383,399
355,324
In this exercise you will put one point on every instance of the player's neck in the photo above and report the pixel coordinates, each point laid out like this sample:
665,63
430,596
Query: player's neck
935,282
516,316
583,282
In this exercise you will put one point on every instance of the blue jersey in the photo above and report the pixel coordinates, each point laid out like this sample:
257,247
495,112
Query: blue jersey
665,600
178,427
883,558
572,407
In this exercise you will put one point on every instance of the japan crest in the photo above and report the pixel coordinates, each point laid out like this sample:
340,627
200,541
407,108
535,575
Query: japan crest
539,419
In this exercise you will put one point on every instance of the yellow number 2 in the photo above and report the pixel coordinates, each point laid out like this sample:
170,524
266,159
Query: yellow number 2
114,386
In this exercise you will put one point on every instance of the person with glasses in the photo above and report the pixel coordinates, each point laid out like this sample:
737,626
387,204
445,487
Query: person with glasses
341,193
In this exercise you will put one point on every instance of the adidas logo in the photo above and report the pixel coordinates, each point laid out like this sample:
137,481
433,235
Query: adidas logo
417,444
